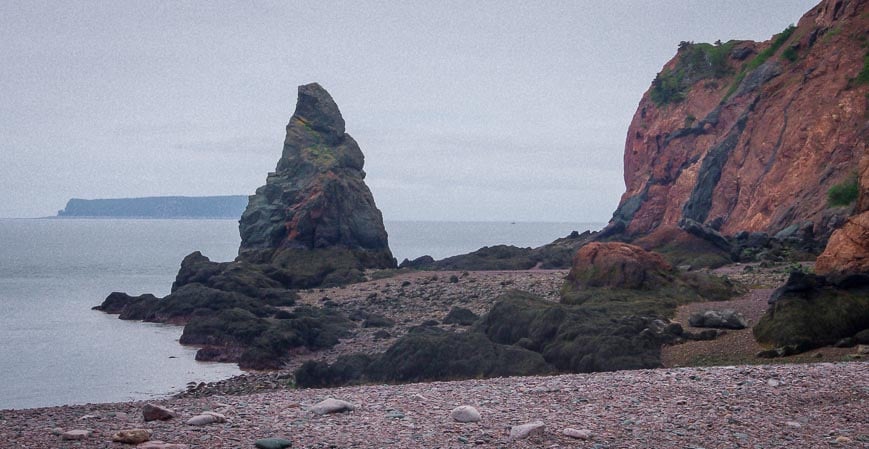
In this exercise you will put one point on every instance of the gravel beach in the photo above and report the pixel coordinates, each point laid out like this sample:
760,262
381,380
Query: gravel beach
785,406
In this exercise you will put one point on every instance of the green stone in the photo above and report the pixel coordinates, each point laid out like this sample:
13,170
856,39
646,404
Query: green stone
273,443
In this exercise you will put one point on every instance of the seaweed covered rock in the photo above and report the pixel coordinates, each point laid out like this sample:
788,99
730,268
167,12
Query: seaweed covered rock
460,316
257,342
347,370
498,257
429,353
577,338
117,302
809,311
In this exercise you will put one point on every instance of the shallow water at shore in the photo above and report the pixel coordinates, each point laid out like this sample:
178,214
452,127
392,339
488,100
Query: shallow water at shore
55,350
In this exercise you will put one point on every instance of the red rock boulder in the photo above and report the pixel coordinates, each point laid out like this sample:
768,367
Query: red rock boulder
618,265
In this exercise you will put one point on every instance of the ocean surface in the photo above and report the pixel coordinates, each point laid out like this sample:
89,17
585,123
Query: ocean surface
55,350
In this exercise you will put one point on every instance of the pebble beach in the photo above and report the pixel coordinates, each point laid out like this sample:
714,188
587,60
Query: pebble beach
784,406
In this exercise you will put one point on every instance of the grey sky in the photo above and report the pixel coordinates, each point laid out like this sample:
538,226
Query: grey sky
498,110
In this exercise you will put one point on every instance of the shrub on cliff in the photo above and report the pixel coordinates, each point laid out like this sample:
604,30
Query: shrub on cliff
844,193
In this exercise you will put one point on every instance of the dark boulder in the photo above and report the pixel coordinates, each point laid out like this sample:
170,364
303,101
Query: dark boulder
809,311
429,353
576,338
347,370
460,316
726,319
116,302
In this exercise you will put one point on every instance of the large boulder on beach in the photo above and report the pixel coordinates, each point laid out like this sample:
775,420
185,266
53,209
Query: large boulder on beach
578,338
618,265
727,319
811,311
428,353
155,412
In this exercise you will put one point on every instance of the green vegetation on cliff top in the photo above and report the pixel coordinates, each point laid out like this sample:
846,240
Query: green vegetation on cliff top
696,62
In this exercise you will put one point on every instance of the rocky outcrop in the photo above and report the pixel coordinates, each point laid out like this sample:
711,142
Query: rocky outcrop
313,224
848,249
746,136
555,255
317,197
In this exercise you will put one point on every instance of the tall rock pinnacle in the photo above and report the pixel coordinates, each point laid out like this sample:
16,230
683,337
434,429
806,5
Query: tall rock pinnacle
317,197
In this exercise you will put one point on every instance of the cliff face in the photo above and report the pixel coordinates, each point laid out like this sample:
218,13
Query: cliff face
317,197
746,136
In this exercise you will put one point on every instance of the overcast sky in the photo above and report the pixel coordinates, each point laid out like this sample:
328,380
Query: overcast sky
465,110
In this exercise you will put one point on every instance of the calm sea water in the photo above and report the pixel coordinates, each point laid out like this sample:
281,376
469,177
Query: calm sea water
55,350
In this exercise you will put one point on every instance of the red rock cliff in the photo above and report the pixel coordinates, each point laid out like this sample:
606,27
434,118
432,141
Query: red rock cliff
751,136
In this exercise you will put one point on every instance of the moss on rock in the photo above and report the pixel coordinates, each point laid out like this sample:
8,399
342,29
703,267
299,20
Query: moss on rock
809,312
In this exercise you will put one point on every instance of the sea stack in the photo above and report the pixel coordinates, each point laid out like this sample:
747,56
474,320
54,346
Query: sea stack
317,197
313,224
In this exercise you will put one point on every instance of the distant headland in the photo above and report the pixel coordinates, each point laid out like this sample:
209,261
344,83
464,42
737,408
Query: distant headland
224,206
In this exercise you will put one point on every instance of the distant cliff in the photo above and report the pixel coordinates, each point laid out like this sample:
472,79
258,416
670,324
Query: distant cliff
747,136
227,206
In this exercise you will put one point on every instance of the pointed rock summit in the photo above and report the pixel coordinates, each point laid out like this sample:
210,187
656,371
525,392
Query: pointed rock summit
317,197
